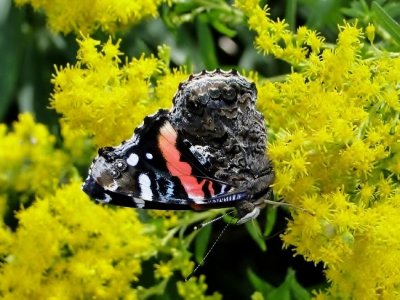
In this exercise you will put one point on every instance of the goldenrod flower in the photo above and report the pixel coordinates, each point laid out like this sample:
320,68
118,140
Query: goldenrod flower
100,97
335,150
193,290
29,161
58,252
87,16
275,38
77,144
370,32
163,270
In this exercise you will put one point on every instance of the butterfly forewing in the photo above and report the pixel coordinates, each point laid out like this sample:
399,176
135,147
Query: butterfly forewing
158,171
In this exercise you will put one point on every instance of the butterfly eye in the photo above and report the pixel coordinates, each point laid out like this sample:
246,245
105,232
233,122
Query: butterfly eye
115,173
120,165
229,94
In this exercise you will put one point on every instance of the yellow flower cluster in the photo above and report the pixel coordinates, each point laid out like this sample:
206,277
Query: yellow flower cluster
103,98
60,253
334,141
77,144
29,162
195,290
86,16
274,37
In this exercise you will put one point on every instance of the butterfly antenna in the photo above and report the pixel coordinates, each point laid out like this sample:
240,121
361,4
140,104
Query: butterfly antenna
202,225
208,223
266,201
270,237
208,252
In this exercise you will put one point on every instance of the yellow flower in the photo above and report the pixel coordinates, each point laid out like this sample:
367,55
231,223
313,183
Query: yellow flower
87,16
167,87
195,290
29,162
100,97
76,144
168,218
274,37
257,296
314,41
163,270
68,246
370,32
335,136
349,36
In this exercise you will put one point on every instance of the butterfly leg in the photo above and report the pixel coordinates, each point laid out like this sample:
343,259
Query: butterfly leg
258,190
248,210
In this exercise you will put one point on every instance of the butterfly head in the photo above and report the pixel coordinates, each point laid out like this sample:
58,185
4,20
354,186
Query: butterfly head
110,172
209,98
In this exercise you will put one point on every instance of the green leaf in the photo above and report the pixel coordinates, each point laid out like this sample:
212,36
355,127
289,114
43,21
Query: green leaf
270,220
166,16
290,289
280,293
220,20
258,284
206,43
297,291
254,230
201,242
393,9
323,13
185,7
290,14
384,20
357,9
222,28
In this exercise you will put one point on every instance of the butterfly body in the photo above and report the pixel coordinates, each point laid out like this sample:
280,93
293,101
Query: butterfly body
208,151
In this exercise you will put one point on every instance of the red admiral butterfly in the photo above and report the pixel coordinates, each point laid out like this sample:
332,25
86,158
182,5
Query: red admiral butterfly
207,152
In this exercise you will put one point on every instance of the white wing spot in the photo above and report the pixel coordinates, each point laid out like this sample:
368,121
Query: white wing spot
223,189
133,159
107,199
145,187
149,155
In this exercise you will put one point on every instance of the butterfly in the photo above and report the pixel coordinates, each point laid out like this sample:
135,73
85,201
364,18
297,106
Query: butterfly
207,151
